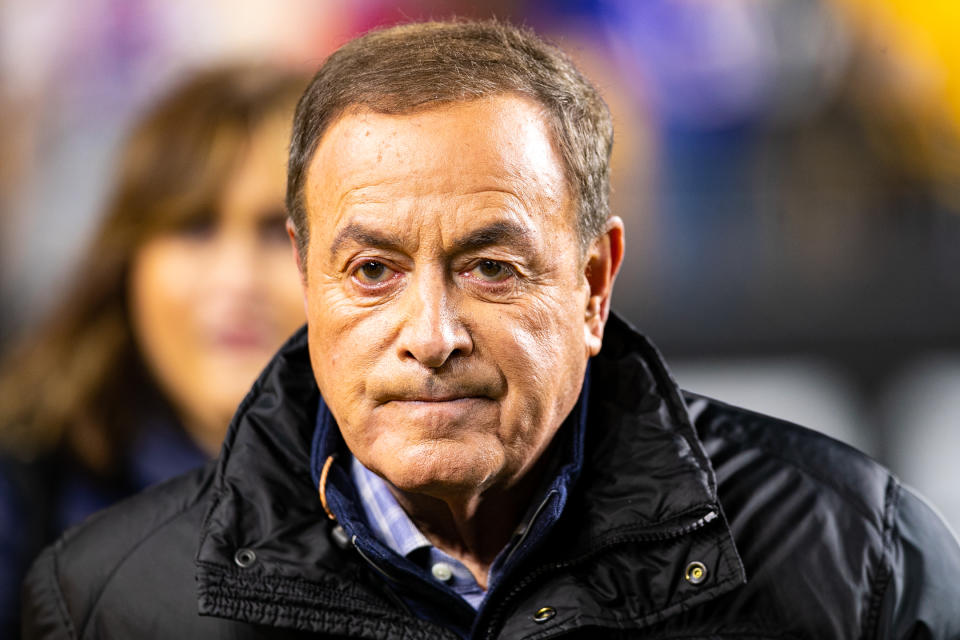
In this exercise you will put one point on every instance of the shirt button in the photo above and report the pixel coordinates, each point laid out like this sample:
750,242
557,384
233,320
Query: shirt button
442,571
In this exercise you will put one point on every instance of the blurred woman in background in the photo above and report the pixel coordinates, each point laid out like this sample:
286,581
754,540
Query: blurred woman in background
187,290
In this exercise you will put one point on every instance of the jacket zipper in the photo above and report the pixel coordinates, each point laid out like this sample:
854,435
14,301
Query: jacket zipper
370,561
649,536
526,531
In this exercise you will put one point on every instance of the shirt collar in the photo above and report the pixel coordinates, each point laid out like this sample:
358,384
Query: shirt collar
385,516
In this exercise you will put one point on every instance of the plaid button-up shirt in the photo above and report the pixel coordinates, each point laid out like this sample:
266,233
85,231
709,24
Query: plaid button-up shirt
391,525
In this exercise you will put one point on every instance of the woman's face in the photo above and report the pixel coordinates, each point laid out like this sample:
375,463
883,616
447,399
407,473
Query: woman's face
211,302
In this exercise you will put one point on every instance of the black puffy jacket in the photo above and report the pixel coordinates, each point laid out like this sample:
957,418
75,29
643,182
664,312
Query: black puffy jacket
691,519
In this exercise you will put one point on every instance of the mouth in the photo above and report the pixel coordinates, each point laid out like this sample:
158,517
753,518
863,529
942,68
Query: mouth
428,403
237,338
435,394
436,398
405,391
437,415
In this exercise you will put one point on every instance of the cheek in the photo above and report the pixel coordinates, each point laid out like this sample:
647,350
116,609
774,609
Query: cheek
541,352
165,293
346,343
283,291
163,296
552,327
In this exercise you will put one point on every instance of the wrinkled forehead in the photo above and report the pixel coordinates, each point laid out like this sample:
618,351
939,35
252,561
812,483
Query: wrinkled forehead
499,147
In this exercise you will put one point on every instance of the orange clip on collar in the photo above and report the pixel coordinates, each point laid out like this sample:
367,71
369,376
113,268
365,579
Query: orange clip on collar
323,487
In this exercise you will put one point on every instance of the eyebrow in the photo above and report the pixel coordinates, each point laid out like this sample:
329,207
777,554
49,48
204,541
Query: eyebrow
359,234
502,232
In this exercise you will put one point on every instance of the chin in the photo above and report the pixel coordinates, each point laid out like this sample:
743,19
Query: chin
442,468
231,385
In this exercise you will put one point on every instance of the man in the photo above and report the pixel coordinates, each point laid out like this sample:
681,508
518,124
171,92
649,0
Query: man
447,451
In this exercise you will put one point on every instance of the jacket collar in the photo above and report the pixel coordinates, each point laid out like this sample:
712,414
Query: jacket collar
645,463
645,475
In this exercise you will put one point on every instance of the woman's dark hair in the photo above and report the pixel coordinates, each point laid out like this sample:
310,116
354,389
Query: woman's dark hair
77,381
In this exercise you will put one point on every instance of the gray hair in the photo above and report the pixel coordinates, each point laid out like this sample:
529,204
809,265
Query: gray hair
401,69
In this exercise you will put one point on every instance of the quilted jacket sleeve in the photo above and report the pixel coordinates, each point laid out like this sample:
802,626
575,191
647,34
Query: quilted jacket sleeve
45,615
921,599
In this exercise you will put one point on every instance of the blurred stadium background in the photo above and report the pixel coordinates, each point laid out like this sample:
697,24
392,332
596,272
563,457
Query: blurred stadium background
788,170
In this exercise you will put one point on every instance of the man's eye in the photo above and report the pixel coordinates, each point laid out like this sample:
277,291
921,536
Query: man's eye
492,271
373,272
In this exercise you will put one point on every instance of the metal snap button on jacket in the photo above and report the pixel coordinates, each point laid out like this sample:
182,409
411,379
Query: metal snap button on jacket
244,558
543,614
696,573
340,537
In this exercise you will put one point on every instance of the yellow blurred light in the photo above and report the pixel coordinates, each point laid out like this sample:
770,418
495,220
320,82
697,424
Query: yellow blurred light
924,36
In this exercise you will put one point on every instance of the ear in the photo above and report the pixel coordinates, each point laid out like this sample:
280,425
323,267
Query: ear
600,270
301,267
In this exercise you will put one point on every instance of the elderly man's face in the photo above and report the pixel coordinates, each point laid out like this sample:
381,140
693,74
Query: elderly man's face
449,316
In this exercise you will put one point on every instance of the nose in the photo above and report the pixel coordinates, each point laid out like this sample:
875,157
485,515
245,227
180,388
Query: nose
232,267
433,331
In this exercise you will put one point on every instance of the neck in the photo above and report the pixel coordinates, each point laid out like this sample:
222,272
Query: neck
207,432
473,528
